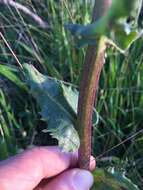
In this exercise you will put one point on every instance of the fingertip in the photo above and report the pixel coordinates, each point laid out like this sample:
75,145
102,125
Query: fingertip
92,163
82,180
75,179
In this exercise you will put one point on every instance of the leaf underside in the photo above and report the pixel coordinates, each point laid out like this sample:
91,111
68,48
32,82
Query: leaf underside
114,25
58,104
111,180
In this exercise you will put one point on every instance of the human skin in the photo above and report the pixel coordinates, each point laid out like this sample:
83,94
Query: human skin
44,168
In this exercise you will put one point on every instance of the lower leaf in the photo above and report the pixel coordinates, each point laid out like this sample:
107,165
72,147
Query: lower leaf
111,180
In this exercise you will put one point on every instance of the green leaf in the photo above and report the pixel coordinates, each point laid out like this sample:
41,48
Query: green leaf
111,180
11,74
58,104
71,96
114,25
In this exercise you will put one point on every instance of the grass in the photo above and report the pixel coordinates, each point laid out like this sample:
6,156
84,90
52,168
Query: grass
118,137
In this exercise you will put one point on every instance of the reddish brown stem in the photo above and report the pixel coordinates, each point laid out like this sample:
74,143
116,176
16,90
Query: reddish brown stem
92,68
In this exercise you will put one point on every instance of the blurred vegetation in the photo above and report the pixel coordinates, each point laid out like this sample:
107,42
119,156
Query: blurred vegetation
118,137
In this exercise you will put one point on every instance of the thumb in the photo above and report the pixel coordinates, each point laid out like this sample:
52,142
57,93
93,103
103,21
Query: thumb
74,179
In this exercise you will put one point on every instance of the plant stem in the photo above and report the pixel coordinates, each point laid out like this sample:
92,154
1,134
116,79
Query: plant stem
93,64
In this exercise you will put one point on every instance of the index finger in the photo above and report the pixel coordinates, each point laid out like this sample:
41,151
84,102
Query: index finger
31,166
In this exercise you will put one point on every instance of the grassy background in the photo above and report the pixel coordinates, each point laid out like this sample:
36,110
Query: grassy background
118,137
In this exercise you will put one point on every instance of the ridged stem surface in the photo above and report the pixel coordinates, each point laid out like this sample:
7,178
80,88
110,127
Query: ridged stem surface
93,64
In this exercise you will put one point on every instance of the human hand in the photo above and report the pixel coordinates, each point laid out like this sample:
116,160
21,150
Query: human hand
44,168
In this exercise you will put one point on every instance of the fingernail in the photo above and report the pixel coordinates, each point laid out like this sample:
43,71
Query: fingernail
83,180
